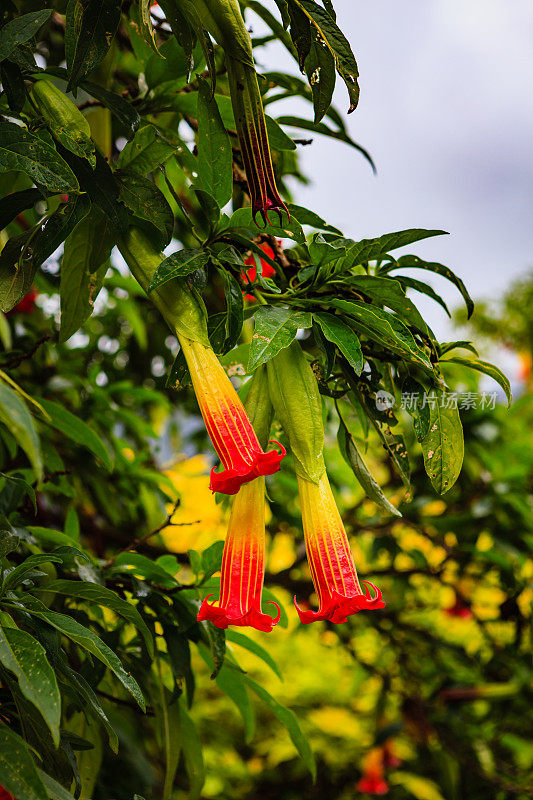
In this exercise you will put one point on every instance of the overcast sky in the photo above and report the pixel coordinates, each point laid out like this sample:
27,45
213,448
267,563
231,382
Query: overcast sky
446,110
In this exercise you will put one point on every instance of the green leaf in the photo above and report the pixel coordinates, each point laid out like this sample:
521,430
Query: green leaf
390,294
55,790
101,187
413,262
354,459
21,150
423,288
147,202
88,700
275,329
217,641
20,30
234,311
17,269
80,283
89,641
121,108
192,754
20,572
146,27
483,366
26,658
12,204
254,647
443,446
215,160
19,773
136,564
290,721
325,130
373,249
56,229
178,265
230,680
385,329
320,71
15,415
77,430
13,85
103,596
336,331
307,217
413,394
93,25
330,36
148,149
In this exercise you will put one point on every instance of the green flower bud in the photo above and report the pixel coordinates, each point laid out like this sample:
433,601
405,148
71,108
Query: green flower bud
65,120
297,404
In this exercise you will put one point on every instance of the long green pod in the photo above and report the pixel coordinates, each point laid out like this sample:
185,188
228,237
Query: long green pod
298,406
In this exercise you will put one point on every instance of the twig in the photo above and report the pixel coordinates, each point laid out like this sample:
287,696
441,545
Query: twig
141,539
16,360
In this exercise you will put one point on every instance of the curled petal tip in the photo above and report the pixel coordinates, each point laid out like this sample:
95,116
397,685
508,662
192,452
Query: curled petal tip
222,617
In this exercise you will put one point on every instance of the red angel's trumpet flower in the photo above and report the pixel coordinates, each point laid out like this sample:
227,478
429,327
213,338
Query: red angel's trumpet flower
243,565
373,779
243,561
4,794
267,270
227,423
331,562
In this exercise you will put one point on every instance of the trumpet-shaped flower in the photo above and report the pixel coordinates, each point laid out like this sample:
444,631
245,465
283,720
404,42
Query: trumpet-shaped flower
243,565
227,423
332,568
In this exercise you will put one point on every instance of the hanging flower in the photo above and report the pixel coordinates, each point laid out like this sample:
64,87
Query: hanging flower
243,564
331,562
227,423
373,779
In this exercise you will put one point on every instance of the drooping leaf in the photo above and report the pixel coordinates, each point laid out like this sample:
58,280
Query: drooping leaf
26,658
17,768
20,30
103,596
21,150
384,328
148,149
275,329
56,229
230,680
89,641
234,311
486,368
289,720
254,647
13,85
320,70
192,754
443,445
55,790
354,459
413,400
147,202
336,331
20,572
80,283
14,413
325,130
13,204
146,26
178,265
215,162
413,262
77,430
93,25
89,700
17,269
121,108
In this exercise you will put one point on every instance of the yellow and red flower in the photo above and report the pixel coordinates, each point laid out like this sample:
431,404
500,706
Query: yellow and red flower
243,564
227,423
332,567
373,778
